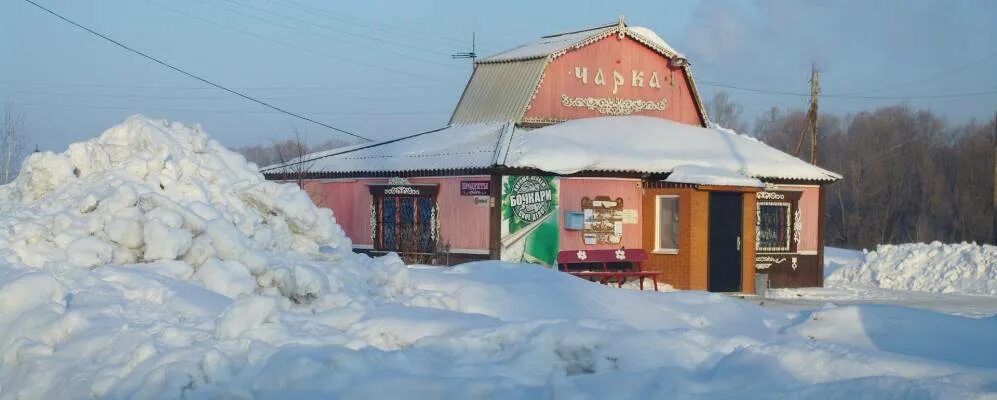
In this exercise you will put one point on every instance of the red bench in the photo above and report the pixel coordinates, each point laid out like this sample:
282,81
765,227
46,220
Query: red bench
633,257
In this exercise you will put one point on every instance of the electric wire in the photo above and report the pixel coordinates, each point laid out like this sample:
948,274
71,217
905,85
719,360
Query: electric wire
170,66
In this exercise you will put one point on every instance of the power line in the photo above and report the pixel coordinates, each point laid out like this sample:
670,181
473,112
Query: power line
844,96
350,150
163,63
230,111
334,29
291,45
946,72
169,97
321,87
387,28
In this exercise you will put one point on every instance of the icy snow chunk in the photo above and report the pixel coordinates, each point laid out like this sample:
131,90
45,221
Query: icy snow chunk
163,242
229,277
246,314
127,232
89,252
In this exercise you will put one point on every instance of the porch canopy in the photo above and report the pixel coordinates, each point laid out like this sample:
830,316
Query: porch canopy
626,144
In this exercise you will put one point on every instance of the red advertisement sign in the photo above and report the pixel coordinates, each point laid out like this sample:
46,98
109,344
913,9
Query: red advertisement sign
475,188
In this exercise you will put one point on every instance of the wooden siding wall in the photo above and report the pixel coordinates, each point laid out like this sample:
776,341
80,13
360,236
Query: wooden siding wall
686,269
748,238
810,214
349,200
689,268
624,55
570,199
461,221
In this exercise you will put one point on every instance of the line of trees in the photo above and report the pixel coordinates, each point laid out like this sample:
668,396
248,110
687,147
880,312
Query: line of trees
909,176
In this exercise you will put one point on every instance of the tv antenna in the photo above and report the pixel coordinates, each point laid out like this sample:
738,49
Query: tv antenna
467,54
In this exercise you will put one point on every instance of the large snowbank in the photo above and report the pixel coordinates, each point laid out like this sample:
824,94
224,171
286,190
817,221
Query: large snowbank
966,268
152,263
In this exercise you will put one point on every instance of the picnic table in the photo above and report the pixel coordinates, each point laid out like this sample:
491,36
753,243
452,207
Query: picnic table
627,264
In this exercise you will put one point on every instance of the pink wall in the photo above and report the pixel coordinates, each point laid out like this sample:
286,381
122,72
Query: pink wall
462,223
809,213
572,191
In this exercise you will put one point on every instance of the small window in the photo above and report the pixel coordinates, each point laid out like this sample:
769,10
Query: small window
773,226
666,235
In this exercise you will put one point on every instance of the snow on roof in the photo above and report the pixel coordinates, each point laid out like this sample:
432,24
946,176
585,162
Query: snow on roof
631,144
552,44
652,38
700,175
654,145
454,147
546,45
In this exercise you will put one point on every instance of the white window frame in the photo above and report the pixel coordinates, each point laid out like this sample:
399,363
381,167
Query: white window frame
657,224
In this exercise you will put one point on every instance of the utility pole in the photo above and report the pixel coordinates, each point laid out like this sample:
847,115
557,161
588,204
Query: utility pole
811,117
993,205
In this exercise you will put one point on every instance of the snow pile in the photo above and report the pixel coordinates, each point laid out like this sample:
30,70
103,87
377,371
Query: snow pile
935,267
149,191
151,263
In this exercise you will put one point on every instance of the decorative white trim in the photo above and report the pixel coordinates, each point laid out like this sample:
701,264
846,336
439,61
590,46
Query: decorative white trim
807,252
398,181
614,105
797,226
770,196
657,224
373,222
402,190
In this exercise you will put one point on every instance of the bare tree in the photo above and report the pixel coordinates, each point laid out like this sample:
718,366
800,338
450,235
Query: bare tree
278,151
13,144
725,113
291,153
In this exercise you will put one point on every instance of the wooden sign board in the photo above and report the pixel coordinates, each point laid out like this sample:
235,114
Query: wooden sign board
603,220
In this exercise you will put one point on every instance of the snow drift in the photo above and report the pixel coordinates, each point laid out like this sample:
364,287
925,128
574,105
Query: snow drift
151,262
966,268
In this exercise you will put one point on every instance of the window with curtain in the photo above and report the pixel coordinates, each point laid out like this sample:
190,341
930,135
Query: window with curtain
774,226
404,223
666,235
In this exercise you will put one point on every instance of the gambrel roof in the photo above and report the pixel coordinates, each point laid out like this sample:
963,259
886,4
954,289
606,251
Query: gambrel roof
502,85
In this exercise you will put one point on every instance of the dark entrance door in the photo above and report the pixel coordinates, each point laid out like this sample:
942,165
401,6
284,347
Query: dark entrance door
724,273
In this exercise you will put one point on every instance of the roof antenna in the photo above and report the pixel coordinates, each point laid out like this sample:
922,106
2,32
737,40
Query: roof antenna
467,54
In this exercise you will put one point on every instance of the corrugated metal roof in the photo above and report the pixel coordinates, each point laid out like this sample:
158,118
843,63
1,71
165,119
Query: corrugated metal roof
498,92
629,144
454,147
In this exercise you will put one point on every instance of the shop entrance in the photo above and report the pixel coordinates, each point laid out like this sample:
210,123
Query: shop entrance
724,273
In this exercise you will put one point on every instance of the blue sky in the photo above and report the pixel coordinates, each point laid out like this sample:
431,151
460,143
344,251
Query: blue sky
382,69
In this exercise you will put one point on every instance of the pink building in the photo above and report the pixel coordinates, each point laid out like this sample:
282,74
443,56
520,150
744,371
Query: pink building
590,140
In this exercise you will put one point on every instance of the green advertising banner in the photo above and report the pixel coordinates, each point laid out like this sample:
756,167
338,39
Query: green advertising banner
529,219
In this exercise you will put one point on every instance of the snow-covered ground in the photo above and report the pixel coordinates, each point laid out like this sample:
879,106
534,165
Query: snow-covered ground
153,263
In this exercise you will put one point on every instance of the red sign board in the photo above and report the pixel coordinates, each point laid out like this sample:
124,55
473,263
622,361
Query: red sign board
475,188
613,76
